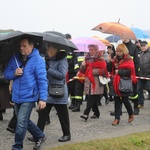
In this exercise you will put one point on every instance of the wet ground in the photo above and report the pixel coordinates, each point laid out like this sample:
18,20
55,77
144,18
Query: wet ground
80,130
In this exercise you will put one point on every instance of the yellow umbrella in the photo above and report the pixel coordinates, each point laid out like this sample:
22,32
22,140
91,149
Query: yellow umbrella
106,42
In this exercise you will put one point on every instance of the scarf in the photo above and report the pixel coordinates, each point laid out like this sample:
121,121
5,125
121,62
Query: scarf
126,64
101,65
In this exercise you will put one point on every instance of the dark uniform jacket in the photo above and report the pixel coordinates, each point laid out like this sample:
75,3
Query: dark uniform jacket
144,64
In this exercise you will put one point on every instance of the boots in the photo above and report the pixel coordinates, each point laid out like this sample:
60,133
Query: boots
73,105
136,109
77,108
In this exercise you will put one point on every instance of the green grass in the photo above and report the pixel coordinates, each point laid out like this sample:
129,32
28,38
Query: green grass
137,141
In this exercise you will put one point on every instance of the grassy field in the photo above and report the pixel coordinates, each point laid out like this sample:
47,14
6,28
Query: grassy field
138,141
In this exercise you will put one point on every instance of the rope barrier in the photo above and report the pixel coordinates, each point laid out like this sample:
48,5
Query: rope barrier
142,78
75,77
82,78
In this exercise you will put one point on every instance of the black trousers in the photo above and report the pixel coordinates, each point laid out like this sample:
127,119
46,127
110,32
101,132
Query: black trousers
92,102
13,122
118,103
105,94
78,91
63,115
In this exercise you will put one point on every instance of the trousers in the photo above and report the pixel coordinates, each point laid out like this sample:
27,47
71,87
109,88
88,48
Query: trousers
63,115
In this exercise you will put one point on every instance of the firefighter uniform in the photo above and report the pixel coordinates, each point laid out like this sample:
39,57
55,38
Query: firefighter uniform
79,82
71,74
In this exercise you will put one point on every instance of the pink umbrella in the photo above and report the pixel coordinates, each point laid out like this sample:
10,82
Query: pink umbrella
83,42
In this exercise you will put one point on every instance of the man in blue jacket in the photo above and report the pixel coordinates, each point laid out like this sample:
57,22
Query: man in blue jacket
28,72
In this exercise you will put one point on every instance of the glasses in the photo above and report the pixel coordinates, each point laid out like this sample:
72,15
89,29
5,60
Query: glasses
143,45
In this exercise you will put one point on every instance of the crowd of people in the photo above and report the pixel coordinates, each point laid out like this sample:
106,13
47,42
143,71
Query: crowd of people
77,73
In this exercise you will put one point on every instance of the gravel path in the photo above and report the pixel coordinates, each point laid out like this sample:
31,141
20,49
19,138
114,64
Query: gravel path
80,130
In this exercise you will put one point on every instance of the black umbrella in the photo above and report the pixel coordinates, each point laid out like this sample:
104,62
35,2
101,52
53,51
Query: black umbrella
58,39
9,43
17,35
56,32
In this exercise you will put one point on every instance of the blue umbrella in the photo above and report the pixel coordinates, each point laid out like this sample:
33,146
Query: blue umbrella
139,33
113,38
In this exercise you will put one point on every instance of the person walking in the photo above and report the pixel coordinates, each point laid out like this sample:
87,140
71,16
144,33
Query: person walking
121,65
57,67
29,85
78,81
4,93
93,66
133,51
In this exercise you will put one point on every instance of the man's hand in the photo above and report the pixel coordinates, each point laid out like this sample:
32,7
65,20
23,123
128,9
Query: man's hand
19,72
42,104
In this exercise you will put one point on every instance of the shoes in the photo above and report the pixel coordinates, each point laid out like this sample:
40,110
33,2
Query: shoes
115,122
111,99
38,143
85,117
1,118
10,130
94,117
31,139
72,106
65,138
107,101
131,118
140,106
113,113
136,111
76,109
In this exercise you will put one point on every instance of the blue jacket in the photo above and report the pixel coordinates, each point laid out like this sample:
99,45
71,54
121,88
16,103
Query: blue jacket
32,85
56,74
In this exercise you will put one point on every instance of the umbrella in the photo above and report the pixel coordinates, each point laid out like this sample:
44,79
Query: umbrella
9,44
54,38
116,28
139,33
6,31
15,36
113,38
83,42
106,42
56,32
69,43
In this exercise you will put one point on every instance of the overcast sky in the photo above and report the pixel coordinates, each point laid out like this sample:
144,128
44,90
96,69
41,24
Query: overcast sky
76,17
